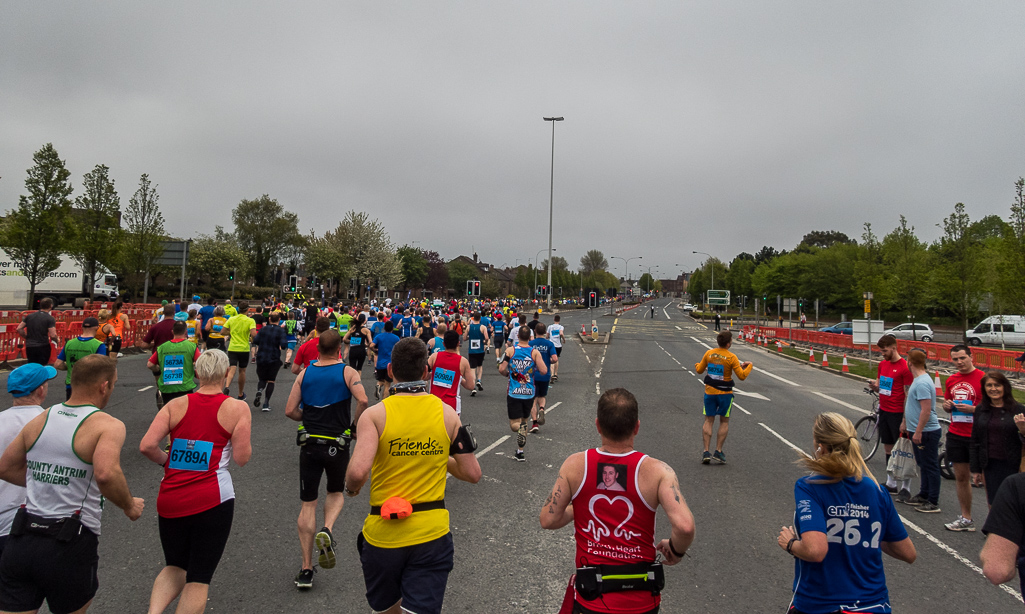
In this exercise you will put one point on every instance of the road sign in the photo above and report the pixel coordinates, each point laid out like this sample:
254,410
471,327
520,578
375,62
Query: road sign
866,331
718,297
789,304
175,253
868,306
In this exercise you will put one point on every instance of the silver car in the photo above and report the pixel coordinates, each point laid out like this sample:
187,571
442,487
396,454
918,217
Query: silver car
921,332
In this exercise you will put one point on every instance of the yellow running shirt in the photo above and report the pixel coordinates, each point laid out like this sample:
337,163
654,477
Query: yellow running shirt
240,325
411,462
721,365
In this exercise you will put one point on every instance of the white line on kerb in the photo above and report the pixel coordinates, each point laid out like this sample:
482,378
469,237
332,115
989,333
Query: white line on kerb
145,389
774,376
954,553
844,403
782,438
491,447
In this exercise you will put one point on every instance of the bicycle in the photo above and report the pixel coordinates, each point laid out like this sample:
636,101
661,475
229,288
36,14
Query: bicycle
867,428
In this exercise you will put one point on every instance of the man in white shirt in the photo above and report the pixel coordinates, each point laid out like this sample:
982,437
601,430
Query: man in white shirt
28,384
556,333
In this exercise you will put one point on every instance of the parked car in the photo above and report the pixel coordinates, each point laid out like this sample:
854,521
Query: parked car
921,332
995,330
843,328
688,307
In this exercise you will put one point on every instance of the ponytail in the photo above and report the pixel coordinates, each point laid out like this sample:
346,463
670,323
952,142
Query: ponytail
844,459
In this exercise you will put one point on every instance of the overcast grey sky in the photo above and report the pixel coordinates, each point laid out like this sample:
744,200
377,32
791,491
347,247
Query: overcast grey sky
714,126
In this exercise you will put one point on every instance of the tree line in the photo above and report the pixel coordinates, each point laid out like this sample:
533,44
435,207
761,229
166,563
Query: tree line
358,253
973,267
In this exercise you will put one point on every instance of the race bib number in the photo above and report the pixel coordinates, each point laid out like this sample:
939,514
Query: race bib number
174,369
192,331
444,377
716,372
474,344
217,328
355,341
885,385
960,416
344,328
190,455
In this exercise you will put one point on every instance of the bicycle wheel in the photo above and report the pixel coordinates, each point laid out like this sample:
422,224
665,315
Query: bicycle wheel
946,467
868,436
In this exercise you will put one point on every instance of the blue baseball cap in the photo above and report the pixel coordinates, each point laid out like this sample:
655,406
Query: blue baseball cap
196,298
25,379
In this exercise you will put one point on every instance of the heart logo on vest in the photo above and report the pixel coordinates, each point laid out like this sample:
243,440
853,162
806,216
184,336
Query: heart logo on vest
611,509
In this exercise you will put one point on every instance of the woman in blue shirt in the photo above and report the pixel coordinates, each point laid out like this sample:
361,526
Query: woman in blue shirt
843,525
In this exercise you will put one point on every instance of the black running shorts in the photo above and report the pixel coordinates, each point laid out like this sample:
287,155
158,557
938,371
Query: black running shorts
541,388
957,448
195,543
35,568
415,574
889,426
476,360
315,460
518,408
381,375
238,359
268,371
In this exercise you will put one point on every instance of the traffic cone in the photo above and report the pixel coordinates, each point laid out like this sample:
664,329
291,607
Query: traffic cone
825,360
939,387
844,368
779,347
811,355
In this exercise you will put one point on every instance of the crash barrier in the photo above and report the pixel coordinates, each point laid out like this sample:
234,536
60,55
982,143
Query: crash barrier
983,357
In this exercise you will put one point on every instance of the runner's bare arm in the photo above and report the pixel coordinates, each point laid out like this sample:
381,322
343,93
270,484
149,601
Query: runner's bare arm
463,466
467,376
352,378
367,434
106,460
13,463
292,409
241,443
681,520
158,429
998,558
557,510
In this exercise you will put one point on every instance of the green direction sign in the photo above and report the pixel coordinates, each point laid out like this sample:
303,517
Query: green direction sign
718,297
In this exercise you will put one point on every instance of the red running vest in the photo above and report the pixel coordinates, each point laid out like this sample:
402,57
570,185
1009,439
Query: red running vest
614,525
445,378
196,476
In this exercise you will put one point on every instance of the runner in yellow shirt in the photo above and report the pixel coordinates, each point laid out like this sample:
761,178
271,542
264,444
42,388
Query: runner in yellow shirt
721,365
241,329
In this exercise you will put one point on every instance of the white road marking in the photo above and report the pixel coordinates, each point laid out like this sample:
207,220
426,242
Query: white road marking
145,389
954,553
552,407
742,409
783,439
701,342
774,376
667,313
492,446
678,328
753,395
844,403
597,388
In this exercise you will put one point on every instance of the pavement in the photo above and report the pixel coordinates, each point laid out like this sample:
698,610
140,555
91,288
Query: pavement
504,561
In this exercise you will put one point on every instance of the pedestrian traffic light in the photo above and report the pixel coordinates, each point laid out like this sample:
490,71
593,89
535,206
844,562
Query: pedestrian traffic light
476,288
592,299
469,287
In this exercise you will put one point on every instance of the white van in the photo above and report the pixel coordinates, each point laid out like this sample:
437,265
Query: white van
994,330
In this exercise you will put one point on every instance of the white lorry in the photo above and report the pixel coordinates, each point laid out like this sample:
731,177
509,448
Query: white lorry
63,285
998,330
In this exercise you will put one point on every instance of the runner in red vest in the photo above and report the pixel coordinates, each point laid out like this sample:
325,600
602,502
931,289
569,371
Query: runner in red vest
449,370
614,491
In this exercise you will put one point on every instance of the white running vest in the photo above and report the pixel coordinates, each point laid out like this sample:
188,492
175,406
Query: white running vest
59,483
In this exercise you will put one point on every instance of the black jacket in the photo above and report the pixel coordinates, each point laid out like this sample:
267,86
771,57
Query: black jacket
979,447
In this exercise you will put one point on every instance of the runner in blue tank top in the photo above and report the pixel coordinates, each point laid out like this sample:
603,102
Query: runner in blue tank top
521,363
477,335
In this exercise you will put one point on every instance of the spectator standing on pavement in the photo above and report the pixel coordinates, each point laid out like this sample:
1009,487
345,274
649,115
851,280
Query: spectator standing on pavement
174,364
804,319
39,562
29,385
196,502
922,424
1005,534
997,435
268,343
645,484
718,322
82,345
892,381
38,329
962,393
831,574
406,546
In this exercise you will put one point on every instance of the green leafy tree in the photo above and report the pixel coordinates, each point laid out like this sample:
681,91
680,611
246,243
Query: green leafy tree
646,283
711,270
489,288
414,266
217,255
870,272
34,233
825,238
437,272
267,233
765,254
957,284
142,239
906,258
95,225
1013,251
738,276
324,261
459,272
367,251
594,260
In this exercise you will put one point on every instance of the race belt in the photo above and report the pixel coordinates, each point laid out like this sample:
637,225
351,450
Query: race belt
593,582
402,511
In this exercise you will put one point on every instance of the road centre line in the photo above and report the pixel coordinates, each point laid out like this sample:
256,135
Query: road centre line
145,389
552,407
667,313
844,403
701,342
774,376
678,328
493,446
783,439
742,409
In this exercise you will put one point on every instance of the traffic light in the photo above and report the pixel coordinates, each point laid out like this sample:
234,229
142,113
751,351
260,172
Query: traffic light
469,287
293,280
231,276
592,299
476,288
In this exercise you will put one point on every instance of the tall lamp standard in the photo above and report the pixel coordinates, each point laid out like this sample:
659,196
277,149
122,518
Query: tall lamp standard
655,266
626,262
536,256
551,200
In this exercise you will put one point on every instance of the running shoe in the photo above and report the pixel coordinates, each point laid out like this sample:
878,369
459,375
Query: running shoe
257,399
326,546
304,579
541,416
928,508
473,392
288,364
961,524
706,458
242,397
521,435
227,391
719,457
916,501
555,378
519,456
377,391
120,355
480,386
534,427
904,495
266,407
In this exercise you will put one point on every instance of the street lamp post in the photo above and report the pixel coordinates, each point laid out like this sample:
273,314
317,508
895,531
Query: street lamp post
551,200
626,261
536,256
649,276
